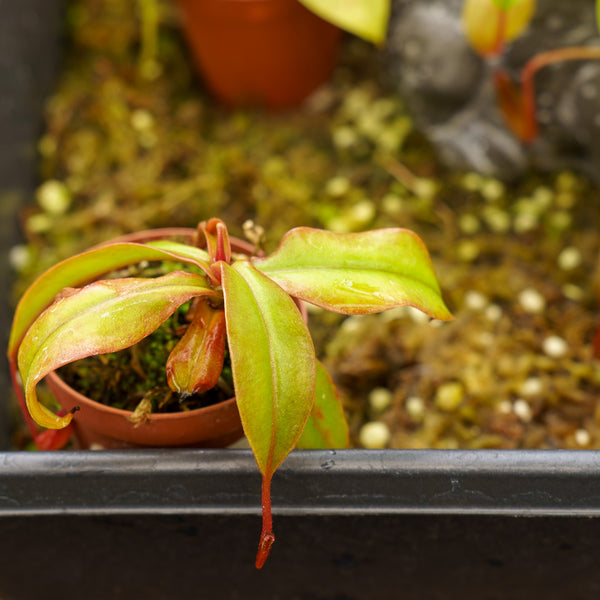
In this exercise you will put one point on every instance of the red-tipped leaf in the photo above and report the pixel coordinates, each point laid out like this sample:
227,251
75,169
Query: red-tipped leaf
102,317
88,266
356,273
273,363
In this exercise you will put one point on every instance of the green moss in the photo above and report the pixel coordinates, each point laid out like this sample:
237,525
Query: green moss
126,378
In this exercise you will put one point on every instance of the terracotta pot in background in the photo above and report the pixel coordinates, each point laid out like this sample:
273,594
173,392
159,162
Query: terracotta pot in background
265,53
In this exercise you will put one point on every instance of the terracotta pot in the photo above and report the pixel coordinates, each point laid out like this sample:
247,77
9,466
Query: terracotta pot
97,424
266,53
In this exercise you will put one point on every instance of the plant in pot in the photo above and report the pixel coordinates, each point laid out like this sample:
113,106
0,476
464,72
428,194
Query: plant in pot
489,26
273,53
245,305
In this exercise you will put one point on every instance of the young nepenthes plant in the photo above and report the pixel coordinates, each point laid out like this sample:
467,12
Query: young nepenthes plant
490,25
284,395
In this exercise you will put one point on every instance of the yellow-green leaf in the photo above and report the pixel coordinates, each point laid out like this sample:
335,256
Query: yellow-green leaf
367,19
356,273
326,427
488,24
88,266
273,362
506,4
102,317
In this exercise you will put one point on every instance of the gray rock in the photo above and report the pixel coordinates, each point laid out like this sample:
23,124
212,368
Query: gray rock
450,92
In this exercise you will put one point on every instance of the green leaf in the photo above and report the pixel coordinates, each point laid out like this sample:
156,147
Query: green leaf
183,252
326,427
598,14
88,266
506,4
102,317
367,19
490,24
273,363
356,273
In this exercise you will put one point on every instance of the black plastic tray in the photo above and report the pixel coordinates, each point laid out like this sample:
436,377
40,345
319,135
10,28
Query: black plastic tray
350,525
486,482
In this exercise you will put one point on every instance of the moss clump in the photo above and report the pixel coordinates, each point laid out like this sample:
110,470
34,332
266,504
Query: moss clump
136,379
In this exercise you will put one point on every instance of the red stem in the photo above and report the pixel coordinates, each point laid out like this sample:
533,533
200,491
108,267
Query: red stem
266,537
500,34
539,61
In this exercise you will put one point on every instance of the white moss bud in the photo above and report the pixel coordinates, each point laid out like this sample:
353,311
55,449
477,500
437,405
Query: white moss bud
374,435
570,258
20,257
53,197
532,386
583,437
493,313
532,301
555,346
492,190
415,407
142,120
469,223
522,409
497,219
468,250
337,186
449,396
380,398
475,300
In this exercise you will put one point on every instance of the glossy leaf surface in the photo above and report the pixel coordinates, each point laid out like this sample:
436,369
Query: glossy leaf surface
102,317
195,364
217,240
367,19
356,273
326,427
183,252
88,266
273,362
